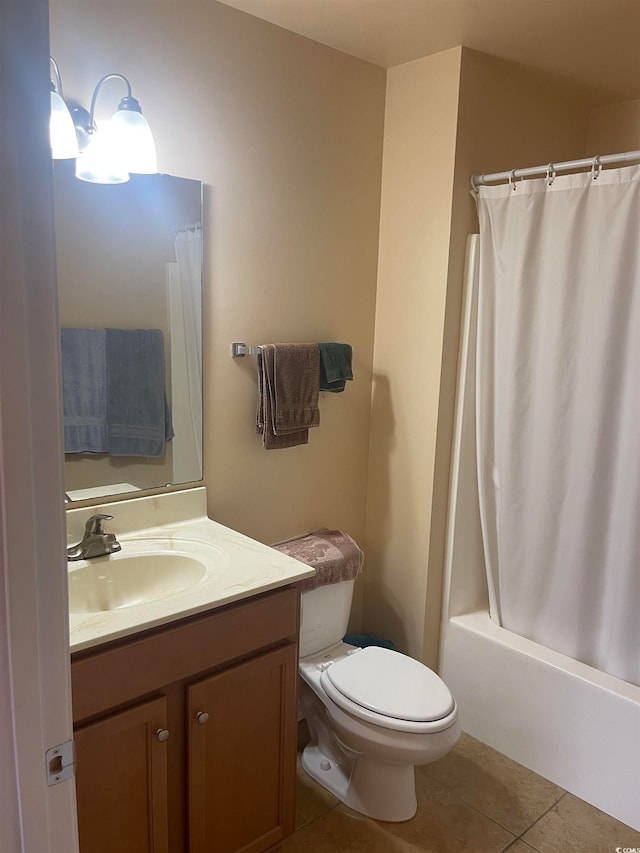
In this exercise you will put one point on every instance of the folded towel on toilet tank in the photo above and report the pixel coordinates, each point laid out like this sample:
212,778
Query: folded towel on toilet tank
333,554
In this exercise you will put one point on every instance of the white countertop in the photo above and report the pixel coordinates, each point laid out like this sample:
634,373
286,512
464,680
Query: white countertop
242,568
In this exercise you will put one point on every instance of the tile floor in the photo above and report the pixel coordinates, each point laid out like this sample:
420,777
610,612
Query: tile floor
473,799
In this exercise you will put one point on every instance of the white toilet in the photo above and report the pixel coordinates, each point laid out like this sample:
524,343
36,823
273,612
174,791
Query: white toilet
373,714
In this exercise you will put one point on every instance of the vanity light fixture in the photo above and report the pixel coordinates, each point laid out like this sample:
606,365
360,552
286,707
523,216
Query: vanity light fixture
62,134
121,146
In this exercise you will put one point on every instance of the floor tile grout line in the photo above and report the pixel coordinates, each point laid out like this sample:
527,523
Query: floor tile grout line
509,845
305,825
488,817
506,828
520,838
317,817
529,844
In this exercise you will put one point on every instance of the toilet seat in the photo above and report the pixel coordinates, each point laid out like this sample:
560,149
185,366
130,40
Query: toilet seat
390,690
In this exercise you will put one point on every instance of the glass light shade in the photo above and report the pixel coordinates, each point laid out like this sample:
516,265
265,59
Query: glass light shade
62,133
130,133
101,162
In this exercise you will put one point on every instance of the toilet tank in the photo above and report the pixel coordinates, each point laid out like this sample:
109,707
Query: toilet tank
324,616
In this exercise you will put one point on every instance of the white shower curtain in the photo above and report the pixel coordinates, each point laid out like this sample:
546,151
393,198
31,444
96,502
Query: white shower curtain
558,412
188,339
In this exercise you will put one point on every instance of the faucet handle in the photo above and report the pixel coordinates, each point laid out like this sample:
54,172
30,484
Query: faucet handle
95,525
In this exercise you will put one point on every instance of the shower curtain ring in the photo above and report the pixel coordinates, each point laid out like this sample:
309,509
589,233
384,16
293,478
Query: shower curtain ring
551,174
596,162
512,179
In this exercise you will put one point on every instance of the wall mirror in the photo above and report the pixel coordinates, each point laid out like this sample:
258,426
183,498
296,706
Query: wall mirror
129,260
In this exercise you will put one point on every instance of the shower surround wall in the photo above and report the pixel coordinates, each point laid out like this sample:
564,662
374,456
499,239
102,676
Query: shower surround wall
447,116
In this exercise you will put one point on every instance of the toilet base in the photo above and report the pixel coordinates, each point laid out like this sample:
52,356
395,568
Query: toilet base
379,790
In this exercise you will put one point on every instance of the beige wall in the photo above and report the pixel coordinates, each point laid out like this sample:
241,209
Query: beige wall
508,116
614,128
448,116
417,186
287,136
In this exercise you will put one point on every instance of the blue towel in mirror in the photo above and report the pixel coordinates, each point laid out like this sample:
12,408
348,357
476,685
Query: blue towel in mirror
84,390
137,412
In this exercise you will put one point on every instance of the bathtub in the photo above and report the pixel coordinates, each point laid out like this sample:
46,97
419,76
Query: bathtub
567,721
571,723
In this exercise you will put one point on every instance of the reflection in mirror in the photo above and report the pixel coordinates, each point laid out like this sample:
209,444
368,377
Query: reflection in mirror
129,262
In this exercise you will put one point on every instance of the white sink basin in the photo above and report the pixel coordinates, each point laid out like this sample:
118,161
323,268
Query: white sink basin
145,570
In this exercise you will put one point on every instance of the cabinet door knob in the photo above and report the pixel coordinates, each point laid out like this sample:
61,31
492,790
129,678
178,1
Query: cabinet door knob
202,718
162,735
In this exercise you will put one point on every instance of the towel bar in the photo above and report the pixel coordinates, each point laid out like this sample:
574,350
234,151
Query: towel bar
238,350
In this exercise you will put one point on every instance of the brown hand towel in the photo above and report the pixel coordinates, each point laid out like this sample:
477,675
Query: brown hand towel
296,387
264,417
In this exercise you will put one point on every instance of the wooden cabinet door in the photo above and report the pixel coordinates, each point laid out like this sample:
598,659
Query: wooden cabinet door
121,782
242,760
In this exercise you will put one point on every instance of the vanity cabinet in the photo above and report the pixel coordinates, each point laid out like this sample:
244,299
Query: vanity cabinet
121,781
237,790
186,735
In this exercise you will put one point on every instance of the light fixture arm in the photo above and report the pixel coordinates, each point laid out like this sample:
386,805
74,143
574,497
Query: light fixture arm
62,135
57,86
127,103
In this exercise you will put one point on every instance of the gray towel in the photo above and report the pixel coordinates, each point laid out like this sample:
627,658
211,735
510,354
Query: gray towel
136,406
335,366
84,390
266,402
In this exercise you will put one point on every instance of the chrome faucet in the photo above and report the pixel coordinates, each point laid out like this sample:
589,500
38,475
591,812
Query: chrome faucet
95,542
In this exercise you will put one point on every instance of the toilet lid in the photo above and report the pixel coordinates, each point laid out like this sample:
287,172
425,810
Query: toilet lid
391,684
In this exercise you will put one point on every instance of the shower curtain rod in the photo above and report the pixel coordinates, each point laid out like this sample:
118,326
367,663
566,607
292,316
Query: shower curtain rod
552,168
